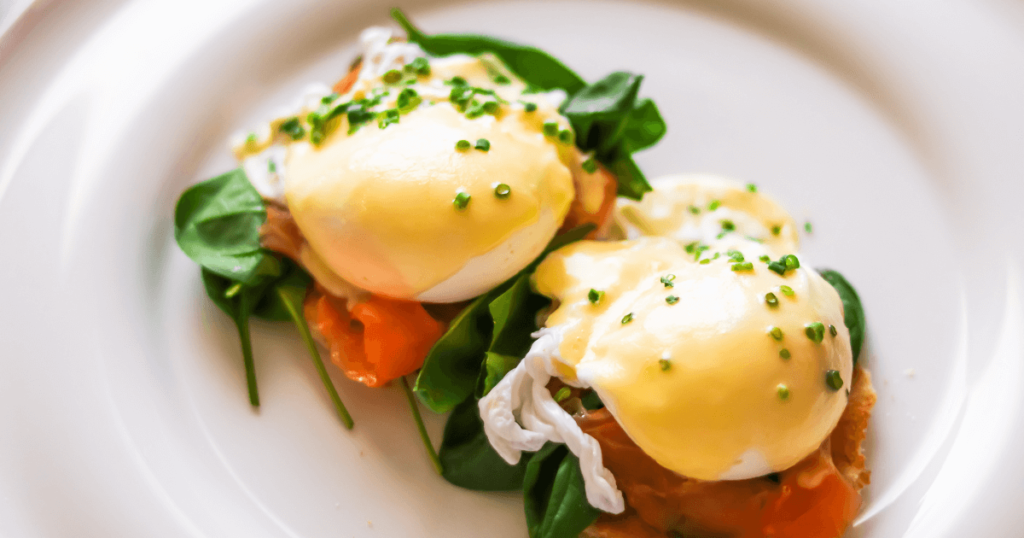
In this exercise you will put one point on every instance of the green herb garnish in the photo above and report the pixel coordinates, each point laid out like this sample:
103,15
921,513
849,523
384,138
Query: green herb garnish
671,299
627,318
483,144
834,379
502,190
668,279
595,296
461,200
815,331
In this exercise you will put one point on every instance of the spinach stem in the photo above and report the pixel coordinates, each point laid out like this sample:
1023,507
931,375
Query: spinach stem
307,338
242,322
419,425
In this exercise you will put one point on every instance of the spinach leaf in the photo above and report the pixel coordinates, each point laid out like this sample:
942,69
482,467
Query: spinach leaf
554,496
287,294
600,112
450,371
591,401
468,459
217,224
853,311
612,123
644,128
515,317
496,366
536,67
237,302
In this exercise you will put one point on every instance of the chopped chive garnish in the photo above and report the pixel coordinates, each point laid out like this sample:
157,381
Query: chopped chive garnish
565,136
833,379
392,76
777,267
832,330
784,353
483,144
791,261
667,280
461,200
728,225
665,364
815,331
745,266
807,227
627,318
421,66
550,128
408,99
251,137
390,116
502,190
595,296
589,166
721,235
562,394
771,299
713,205
271,167
776,230
292,128
734,255
705,261
457,81
671,299
782,391
490,107
463,145
787,291
751,187
776,333
530,107
764,258
695,210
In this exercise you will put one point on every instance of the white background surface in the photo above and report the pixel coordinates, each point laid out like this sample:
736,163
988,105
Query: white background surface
896,128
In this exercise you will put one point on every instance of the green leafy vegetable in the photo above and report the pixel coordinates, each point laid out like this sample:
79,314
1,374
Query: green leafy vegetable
238,307
853,311
554,495
411,399
467,456
452,369
514,313
536,67
611,122
496,366
217,223
290,291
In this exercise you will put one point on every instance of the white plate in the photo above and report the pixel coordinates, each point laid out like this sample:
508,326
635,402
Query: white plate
895,127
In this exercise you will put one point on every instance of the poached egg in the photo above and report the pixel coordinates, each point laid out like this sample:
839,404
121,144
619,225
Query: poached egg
716,369
405,209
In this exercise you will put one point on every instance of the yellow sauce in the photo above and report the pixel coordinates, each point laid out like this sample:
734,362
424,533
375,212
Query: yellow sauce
680,207
695,383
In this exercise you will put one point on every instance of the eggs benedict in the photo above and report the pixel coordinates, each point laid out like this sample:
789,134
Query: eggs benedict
712,345
428,179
